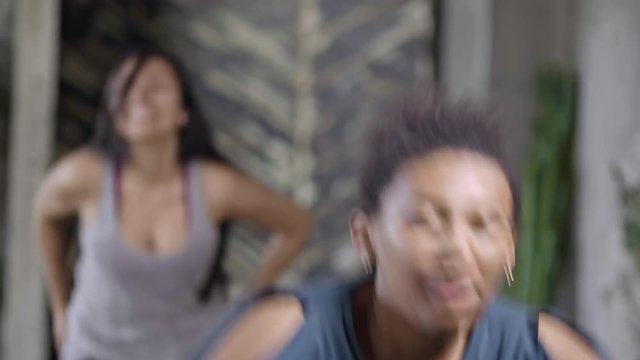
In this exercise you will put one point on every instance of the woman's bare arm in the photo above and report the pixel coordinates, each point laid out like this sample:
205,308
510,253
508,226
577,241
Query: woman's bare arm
240,197
59,197
262,332
561,341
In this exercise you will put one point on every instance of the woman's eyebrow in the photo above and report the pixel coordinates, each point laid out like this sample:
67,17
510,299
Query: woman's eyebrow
425,197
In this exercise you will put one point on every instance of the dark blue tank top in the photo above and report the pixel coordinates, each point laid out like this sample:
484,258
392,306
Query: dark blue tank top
506,330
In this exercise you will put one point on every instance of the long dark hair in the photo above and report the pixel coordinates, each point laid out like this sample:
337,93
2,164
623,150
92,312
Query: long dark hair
194,142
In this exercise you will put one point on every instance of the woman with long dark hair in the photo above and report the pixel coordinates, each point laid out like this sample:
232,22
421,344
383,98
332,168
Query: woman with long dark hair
153,197
436,233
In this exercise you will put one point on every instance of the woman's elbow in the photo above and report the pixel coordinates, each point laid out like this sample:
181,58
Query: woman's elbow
302,227
297,230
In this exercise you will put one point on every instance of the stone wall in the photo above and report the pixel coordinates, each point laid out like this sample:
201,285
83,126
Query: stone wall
287,85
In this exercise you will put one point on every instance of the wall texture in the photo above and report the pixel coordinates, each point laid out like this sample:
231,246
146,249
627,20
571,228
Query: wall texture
608,275
5,84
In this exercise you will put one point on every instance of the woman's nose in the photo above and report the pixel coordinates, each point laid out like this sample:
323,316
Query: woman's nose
137,95
457,241
137,100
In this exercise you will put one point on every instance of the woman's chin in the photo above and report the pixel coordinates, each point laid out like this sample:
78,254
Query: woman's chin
451,314
449,319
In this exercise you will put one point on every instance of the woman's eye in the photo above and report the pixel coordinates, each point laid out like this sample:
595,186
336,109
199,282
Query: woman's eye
418,219
479,224
487,225
430,221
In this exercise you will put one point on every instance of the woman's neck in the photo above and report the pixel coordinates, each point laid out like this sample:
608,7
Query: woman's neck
390,336
153,162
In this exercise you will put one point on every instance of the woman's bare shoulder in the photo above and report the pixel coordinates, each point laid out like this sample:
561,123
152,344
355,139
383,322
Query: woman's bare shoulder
219,172
82,159
561,341
267,326
80,167
74,176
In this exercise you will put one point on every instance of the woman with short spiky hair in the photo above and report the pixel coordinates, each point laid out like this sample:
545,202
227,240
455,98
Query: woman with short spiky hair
436,233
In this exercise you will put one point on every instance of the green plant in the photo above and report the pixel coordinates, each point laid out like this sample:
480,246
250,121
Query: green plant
547,191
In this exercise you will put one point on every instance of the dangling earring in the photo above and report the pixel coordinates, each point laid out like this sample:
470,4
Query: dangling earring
508,273
366,263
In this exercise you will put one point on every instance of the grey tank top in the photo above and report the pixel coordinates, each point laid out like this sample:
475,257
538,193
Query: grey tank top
128,304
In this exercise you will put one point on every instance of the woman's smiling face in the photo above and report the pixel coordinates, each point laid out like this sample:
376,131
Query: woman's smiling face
153,106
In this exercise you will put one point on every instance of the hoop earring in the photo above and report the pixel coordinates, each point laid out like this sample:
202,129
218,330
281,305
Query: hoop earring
509,274
366,263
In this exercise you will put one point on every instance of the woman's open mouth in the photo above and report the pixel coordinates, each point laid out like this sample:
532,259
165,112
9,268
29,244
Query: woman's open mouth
452,292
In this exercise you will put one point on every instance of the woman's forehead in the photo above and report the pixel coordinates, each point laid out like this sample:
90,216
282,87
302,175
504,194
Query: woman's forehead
155,64
152,67
451,176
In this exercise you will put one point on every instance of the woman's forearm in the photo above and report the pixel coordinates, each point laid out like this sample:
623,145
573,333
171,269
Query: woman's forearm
52,246
281,252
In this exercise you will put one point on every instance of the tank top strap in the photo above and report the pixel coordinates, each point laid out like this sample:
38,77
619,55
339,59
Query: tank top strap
195,196
108,192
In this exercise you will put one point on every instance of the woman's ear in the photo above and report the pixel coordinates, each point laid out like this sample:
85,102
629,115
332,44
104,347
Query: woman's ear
359,231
